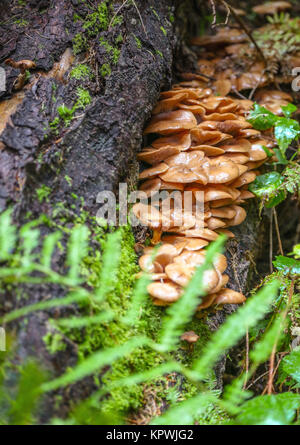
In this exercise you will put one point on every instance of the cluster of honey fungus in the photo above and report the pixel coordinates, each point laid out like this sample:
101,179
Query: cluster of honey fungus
201,142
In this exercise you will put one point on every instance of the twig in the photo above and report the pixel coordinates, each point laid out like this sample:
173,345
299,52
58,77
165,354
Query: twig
117,12
257,379
214,23
277,231
138,11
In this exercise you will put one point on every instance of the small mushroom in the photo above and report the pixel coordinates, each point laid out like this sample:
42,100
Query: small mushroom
166,291
271,7
228,296
190,337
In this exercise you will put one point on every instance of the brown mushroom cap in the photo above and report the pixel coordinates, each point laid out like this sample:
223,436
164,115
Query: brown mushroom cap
227,212
239,217
221,171
215,223
271,7
154,156
244,179
228,296
169,103
166,291
151,186
171,121
180,140
190,337
257,153
208,150
154,171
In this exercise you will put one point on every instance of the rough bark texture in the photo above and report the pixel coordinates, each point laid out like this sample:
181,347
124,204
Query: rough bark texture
98,149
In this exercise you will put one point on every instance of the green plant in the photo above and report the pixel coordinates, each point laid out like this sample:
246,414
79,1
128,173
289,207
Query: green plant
43,193
81,71
273,187
105,70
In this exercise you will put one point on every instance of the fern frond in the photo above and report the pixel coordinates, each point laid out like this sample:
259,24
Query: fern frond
74,297
234,328
7,235
95,363
77,250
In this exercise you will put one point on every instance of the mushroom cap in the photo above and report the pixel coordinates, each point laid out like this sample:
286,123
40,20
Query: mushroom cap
257,153
151,186
215,223
169,103
154,171
220,263
201,136
206,234
239,217
171,121
180,140
271,7
244,179
226,232
190,337
186,167
147,264
222,87
237,145
154,156
149,216
166,291
163,255
179,273
207,301
221,171
223,37
227,212
228,296
208,150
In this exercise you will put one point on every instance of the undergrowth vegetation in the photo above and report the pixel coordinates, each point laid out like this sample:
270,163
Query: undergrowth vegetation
142,355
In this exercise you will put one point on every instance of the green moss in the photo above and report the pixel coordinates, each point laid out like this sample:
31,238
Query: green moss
138,42
119,39
54,342
163,30
114,53
43,193
159,53
84,98
66,113
79,43
105,70
98,20
81,71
